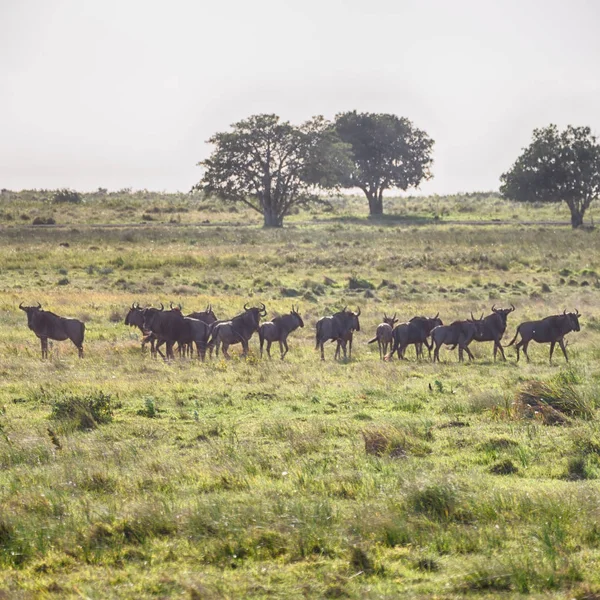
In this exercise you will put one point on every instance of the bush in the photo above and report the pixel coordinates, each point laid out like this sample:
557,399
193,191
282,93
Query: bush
437,501
83,412
66,195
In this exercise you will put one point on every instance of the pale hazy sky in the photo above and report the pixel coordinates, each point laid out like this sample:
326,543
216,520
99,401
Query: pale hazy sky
125,93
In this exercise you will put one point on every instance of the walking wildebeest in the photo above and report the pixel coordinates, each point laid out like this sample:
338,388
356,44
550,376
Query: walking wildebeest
278,330
459,333
135,318
383,334
416,332
238,330
337,327
46,325
166,325
493,327
550,330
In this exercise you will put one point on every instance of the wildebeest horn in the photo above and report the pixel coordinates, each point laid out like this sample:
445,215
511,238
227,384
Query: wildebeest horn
262,306
344,309
385,315
512,307
565,311
394,317
494,308
358,311
246,306
171,305
207,308
162,306
39,305
132,305
21,306
436,316
481,317
472,317
577,312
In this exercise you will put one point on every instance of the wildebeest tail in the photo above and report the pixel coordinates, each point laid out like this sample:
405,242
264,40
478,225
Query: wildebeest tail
373,340
516,335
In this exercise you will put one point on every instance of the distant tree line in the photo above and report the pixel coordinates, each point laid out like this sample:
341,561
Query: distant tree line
274,167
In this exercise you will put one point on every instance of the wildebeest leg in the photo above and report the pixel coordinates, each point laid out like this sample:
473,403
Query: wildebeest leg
349,349
225,353
245,349
157,349
44,342
170,353
429,348
552,344
269,342
80,348
401,351
380,344
286,348
525,344
436,353
322,350
561,343
469,353
498,346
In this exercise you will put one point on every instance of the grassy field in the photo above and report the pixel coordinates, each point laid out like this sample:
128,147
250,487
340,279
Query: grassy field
124,476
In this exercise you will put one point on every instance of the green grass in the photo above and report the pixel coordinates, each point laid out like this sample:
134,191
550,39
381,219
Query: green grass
123,476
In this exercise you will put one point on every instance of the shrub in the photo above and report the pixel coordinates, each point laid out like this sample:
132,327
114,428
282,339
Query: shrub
66,195
83,412
435,500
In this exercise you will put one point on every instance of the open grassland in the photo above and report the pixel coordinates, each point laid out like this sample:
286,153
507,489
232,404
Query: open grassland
123,476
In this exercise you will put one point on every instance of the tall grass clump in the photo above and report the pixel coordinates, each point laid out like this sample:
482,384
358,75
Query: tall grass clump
83,412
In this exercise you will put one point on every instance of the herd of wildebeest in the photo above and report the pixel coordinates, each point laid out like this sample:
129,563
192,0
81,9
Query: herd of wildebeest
169,327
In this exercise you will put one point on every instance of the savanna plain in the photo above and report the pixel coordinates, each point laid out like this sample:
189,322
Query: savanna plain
126,476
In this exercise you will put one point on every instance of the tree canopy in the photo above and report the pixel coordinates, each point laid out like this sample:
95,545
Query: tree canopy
557,167
386,152
273,166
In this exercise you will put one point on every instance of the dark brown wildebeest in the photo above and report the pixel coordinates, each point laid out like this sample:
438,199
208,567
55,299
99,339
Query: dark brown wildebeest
416,332
493,327
383,334
46,325
278,330
167,326
459,333
238,330
337,327
550,330
135,318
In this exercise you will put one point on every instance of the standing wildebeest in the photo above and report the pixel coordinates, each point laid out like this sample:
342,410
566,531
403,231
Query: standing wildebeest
278,330
135,318
549,330
383,334
48,325
493,327
206,316
459,333
416,332
238,330
337,327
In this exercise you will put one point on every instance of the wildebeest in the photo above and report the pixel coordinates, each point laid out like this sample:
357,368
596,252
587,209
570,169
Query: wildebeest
493,327
458,333
549,330
206,316
278,330
416,332
383,334
46,325
135,318
238,330
337,327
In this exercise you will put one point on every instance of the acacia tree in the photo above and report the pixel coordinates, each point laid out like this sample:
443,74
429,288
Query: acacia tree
557,167
386,152
272,166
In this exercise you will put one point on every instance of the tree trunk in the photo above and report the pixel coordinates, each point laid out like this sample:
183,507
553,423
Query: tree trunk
272,219
576,216
375,204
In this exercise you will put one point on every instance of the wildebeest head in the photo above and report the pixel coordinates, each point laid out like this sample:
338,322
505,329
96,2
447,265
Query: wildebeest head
31,311
210,313
434,322
573,319
503,312
134,317
294,312
349,318
391,321
256,313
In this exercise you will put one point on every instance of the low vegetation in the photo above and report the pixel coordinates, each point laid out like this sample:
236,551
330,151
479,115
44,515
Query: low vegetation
124,476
